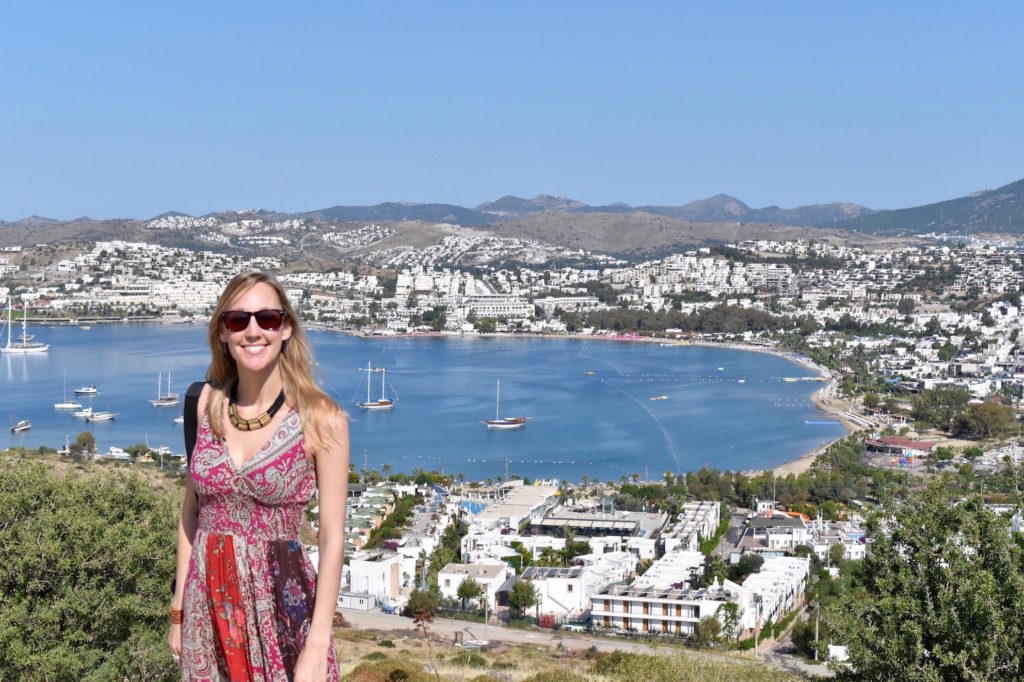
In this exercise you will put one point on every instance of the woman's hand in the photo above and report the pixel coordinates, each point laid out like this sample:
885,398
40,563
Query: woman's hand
311,666
174,640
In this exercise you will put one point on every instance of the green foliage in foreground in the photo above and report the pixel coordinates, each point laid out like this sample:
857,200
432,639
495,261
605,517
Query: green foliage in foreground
628,667
938,598
84,579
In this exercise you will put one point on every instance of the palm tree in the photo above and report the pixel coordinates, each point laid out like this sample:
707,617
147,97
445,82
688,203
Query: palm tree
584,481
670,479
386,468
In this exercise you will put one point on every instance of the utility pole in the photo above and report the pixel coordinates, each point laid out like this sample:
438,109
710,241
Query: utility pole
506,470
817,614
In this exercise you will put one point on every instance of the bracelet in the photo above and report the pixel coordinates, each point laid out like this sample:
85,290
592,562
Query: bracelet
175,615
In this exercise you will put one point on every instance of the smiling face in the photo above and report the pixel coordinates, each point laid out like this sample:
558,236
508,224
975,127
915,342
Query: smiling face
256,349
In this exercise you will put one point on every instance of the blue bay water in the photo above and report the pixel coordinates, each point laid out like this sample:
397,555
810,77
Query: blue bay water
603,425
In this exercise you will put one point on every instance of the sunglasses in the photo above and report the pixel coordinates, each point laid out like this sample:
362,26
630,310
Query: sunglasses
238,320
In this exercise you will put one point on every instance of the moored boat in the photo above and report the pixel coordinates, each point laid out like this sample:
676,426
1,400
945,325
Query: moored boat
66,404
86,390
168,399
26,345
23,425
500,422
382,403
99,417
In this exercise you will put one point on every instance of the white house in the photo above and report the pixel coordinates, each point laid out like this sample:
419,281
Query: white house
562,590
490,577
376,573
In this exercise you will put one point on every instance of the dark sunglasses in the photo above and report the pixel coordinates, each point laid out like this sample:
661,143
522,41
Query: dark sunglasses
268,319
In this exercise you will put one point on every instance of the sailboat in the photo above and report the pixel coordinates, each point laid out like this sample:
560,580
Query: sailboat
383,403
23,346
500,422
67,404
164,399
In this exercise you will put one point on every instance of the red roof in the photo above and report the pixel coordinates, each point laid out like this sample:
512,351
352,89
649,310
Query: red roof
898,442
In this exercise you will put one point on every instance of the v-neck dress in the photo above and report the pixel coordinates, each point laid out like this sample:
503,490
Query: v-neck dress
249,594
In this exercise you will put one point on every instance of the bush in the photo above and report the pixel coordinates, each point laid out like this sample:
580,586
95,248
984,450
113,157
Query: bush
386,643
87,564
374,656
467,659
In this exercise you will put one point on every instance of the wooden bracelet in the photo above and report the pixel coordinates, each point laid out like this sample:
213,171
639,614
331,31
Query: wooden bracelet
175,615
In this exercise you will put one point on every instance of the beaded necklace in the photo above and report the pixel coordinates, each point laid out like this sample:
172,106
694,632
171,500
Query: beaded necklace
257,422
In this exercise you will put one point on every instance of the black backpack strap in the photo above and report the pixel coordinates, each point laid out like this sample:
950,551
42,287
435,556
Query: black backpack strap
191,419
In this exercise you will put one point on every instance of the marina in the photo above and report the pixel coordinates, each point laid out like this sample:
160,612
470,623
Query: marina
601,424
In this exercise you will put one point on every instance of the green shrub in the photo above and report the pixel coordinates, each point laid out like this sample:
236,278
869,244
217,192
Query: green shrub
375,656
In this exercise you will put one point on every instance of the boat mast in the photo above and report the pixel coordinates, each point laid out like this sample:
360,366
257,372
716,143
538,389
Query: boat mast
497,403
368,382
10,304
382,374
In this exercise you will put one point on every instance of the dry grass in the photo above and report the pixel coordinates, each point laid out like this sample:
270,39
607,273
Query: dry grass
367,656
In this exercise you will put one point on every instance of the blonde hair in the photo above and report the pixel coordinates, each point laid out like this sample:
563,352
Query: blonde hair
296,364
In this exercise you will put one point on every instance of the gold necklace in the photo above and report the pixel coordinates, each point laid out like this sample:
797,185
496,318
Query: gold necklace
257,422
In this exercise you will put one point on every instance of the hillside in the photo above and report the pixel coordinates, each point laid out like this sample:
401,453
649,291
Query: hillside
995,210
639,234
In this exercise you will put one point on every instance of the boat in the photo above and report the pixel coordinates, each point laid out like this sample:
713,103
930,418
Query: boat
86,390
23,346
84,413
66,450
84,327
742,381
383,403
166,399
790,380
590,374
658,397
180,419
500,422
23,425
67,404
99,416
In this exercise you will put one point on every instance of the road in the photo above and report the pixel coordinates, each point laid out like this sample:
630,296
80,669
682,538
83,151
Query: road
445,628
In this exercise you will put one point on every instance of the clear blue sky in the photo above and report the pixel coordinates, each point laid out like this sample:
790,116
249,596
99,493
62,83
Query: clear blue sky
129,109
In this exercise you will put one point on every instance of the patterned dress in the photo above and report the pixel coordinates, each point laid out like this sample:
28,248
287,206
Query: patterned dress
249,593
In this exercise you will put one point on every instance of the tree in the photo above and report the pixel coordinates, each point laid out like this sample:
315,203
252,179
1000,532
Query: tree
469,589
86,442
905,306
421,601
939,596
523,596
835,553
705,632
87,563
871,400
987,420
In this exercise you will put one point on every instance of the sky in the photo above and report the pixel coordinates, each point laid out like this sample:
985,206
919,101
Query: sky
131,109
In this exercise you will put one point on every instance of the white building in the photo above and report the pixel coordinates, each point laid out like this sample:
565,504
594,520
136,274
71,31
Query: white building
562,590
490,577
376,573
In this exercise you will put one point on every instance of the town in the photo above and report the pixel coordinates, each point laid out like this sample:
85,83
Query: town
917,344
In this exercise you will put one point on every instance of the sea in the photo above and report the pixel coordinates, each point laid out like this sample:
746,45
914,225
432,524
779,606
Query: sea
600,408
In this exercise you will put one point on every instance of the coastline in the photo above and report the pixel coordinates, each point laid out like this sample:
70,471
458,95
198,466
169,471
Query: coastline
820,398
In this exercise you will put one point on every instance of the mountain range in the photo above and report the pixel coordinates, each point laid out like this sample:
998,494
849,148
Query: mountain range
996,210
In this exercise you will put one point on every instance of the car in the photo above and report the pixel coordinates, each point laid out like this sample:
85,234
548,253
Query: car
388,609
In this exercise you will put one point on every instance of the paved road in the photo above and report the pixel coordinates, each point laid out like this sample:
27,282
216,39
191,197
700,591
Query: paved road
445,628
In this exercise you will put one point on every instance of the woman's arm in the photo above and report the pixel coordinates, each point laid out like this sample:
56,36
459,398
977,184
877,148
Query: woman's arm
187,524
332,458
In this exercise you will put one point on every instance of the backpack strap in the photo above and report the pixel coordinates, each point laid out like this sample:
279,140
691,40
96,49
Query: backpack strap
191,419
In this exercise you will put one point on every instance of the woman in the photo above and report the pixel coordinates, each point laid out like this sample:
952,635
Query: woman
248,604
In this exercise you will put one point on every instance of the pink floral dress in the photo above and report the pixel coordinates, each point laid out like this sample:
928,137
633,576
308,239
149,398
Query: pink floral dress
249,594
